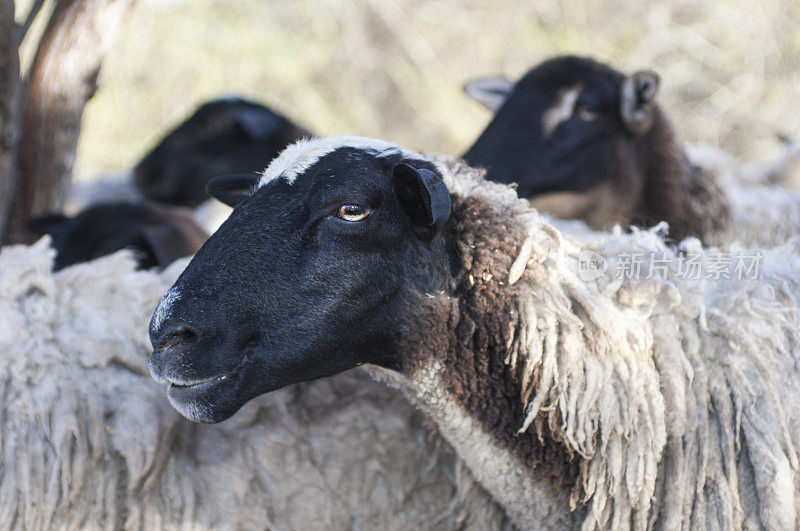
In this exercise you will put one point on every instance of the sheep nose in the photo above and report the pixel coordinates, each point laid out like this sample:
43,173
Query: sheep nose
173,335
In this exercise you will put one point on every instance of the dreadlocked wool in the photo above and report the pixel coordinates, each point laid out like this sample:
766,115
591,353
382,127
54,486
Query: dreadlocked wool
87,439
598,381
575,395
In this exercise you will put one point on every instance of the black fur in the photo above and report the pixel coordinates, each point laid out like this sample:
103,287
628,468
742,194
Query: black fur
157,234
617,149
287,291
515,149
223,136
232,189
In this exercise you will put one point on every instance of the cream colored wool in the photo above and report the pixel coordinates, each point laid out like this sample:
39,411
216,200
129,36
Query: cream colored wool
679,396
783,170
763,216
89,441
764,197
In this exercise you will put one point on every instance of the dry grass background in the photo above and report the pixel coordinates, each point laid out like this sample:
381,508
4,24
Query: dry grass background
394,68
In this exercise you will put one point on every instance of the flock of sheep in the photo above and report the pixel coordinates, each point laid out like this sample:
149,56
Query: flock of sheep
539,313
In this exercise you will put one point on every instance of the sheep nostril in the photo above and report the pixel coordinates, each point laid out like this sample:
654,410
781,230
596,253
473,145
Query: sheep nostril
177,336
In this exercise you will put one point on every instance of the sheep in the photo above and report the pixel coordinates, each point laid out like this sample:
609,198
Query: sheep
223,136
158,234
584,141
576,395
87,440
119,188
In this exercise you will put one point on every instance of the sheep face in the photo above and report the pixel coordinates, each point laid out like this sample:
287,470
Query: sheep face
310,276
157,235
221,137
560,128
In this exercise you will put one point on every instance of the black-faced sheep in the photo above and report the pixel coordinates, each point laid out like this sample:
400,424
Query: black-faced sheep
87,440
585,141
660,396
157,234
224,136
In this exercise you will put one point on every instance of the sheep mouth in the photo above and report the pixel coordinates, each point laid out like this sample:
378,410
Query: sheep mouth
182,391
206,382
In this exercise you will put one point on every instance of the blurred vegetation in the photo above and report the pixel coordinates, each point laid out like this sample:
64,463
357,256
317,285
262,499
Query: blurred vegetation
394,68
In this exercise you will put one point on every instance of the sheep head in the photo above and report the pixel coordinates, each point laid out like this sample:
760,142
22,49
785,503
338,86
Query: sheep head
157,234
560,128
312,274
223,136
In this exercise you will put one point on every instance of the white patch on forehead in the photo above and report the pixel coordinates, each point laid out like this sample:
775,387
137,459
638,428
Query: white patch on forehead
165,307
562,109
298,157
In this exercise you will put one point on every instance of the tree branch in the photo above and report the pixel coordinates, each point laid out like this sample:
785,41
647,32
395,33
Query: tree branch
23,30
9,118
62,79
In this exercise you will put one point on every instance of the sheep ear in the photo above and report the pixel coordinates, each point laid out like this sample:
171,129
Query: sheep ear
48,223
637,101
170,241
232,189
424,198
491,92
164,242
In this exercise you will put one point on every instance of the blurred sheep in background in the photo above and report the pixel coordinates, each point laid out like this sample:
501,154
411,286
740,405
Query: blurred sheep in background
730,71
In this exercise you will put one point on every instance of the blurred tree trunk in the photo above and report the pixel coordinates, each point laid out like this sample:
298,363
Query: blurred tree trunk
62,78
9,89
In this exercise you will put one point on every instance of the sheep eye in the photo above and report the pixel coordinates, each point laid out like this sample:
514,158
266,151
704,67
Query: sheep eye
586,114
353,212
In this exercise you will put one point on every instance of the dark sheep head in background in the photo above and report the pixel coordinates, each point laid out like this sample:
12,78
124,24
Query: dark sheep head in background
223,136
157,234
554,129
587,142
